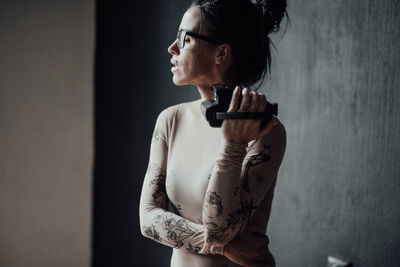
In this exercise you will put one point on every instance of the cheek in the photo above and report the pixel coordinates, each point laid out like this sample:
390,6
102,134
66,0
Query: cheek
192,68
204,63
187,63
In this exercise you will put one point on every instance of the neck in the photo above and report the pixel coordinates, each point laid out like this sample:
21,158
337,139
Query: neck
205,90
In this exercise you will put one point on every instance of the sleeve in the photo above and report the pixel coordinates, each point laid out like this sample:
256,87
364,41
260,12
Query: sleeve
156,222
239,181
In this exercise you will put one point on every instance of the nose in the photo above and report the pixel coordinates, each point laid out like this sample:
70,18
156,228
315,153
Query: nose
173,48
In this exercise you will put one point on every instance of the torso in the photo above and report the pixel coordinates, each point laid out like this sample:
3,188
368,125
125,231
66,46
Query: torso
192,149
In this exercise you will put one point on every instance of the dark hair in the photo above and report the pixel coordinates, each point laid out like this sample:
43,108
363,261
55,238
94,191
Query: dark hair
245,27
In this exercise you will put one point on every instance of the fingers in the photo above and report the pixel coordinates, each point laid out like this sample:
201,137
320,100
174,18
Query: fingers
251,101
244,106
234,101
255,99
262,102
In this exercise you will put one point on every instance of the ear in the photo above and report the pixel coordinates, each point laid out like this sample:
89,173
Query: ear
223,53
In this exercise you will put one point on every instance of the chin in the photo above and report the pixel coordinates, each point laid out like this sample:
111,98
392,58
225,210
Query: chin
178,81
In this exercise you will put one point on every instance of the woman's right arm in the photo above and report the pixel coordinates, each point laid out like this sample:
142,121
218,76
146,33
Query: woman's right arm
156,222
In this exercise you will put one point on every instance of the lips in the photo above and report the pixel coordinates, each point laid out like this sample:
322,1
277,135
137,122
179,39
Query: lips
173,62
174,67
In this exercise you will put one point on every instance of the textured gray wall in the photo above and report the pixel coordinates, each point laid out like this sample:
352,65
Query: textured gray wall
46,135
337,81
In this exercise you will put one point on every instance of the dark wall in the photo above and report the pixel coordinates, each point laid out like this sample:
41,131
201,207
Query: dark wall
334,78
133,84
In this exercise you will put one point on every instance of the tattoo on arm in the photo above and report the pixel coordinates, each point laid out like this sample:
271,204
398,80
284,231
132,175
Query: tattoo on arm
219,233
177,230
254,161
244,213
213,205
216,233
152,233
192,249
159,193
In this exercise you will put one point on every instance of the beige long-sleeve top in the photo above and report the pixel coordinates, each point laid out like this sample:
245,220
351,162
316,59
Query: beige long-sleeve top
200,191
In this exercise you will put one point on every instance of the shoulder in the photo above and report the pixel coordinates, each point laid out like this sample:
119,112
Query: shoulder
172,112
168,117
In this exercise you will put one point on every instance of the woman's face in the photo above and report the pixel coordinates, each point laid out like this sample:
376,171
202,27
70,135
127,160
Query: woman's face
194,63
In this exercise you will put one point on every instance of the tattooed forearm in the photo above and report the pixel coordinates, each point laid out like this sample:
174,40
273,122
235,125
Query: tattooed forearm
177,229
158,185
244,213
159,193
151,233
248,208
168,228
229,223
213,205
193,249
218,234
254,161
233,219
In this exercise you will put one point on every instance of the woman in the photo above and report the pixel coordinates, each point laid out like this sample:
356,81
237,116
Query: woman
207,192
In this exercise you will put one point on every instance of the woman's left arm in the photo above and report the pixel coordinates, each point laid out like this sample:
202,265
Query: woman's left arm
241,178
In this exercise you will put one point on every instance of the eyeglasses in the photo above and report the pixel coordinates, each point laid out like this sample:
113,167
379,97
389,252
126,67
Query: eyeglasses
181,36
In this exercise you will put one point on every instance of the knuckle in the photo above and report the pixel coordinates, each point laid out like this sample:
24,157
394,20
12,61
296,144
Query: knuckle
254,97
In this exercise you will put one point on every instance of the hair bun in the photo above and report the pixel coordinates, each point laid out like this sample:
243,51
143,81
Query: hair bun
273,12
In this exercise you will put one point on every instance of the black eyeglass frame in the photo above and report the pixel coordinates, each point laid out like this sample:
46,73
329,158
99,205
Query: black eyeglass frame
181,35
